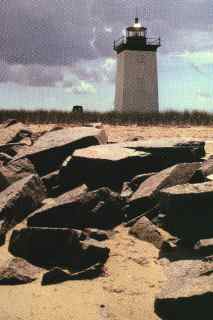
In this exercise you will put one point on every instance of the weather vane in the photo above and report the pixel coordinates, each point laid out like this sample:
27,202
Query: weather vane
136,12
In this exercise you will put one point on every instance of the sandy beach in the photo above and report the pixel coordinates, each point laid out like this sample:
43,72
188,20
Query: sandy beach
133,277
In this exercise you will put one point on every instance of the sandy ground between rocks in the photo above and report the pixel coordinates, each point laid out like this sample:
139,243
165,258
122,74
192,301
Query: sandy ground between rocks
134,273
133,277
123,133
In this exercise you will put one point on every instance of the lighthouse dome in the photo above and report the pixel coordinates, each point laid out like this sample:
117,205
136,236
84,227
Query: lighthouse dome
137,30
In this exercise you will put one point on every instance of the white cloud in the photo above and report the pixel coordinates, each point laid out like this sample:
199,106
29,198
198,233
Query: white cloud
82,87
99,71
108,69
109,64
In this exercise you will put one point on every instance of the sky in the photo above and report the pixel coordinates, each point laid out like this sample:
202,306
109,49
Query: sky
58,53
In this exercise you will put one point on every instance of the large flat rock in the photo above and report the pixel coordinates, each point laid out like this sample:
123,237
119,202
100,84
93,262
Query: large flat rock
190,300
147,193
168,152
19,200
179,148
187,292
101,208
188,208
52,247
51,149
109,165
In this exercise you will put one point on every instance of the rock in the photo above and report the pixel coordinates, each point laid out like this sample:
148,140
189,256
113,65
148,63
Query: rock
52,148
151,214
70,176
97,125
204,173
188,210
137,180
59,247
13,133
92,252
4,183
135,138
59,197
55,276
112,165
126,191
168,152
18,271
207,167
58,275
7,123
210,177
11,149
198,177
96,234
129,187
72,195
15,171
45,246
146,195
55,128
5,158
204,246
35,136
145,230
100,209
51,182
190,300
19,200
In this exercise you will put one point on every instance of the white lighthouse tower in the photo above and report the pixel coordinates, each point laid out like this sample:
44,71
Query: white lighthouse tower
136,80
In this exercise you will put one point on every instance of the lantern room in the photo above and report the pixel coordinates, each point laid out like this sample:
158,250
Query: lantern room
136,31
136,39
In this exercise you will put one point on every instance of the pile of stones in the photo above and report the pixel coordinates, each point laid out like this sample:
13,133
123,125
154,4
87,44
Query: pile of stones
65,190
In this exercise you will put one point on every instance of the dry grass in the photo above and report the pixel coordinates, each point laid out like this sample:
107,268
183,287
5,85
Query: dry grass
64,117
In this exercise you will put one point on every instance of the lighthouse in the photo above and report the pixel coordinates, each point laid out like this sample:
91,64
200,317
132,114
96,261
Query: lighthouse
136,78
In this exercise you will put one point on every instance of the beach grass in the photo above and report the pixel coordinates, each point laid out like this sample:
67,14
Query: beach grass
43,116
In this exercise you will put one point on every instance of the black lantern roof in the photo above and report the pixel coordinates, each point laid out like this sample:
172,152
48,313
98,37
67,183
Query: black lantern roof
132,28
137,26
136,39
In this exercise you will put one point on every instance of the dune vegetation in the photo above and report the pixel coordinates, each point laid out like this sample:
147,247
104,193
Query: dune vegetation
65,117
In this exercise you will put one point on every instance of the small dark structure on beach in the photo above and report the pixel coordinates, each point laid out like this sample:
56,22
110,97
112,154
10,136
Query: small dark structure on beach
78,109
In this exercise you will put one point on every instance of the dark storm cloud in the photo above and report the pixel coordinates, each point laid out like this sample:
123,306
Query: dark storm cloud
52,32
40,34
177,22
44,32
